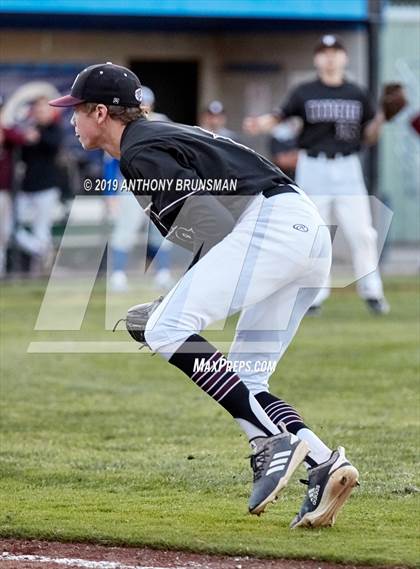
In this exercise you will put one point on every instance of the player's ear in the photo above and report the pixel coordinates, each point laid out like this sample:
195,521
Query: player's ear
101,113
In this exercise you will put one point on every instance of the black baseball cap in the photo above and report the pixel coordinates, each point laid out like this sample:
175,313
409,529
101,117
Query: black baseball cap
104,83
329,41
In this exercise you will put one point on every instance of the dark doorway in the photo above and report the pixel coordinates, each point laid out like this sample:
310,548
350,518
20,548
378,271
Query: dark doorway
175,85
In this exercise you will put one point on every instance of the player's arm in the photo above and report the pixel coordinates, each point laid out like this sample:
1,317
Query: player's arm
372,129
265,123
260,125
372,119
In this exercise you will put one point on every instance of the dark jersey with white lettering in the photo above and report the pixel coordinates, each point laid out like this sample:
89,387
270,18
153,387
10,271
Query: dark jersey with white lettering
171,162
333,117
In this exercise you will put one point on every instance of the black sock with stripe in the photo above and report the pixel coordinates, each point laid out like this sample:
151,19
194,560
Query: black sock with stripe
210,370
281,412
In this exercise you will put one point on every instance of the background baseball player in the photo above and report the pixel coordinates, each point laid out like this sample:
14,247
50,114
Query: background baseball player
214,119
38,198
128,219
10,139
338,117
262,253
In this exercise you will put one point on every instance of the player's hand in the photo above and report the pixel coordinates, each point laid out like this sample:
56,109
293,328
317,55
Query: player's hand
251,126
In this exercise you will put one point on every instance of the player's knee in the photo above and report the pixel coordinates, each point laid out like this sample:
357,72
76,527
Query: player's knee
155,335
164,337
256,382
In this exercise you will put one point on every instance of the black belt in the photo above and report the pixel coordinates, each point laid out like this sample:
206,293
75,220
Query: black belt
330,155
279,190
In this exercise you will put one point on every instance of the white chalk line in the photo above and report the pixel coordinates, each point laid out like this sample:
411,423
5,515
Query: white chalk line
70,562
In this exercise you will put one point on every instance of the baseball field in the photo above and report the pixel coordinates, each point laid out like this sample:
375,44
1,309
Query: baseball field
123,449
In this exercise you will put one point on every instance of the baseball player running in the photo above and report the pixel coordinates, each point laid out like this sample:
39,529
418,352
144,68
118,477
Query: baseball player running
262,252
338,117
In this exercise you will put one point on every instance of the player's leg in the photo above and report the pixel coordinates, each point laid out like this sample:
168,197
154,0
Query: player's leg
354,217
209,292
212,290
24,217
313,176
236,273
239,272
44,203
6,222
127,222
331,477
255,343
263,334
159,253
37,210
324,204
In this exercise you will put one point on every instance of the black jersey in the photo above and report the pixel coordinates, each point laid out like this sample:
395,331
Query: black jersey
333,117
172,162
42,171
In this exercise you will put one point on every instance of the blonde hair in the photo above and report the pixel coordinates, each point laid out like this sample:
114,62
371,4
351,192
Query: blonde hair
123,114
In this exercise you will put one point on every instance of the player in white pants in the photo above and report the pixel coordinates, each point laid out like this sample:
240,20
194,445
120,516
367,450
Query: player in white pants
337,184
37,210
259,247
338,117
275,269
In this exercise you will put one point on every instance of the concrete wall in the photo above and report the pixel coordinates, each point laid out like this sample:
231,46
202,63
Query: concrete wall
241,91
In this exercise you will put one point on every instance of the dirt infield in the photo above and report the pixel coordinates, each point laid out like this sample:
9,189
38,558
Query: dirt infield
20,554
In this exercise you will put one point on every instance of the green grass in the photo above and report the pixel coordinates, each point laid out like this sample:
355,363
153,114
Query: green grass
96,447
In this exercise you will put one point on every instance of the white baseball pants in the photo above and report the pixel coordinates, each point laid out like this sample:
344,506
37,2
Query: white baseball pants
36,209
269,267
128,220
338,183
6,224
